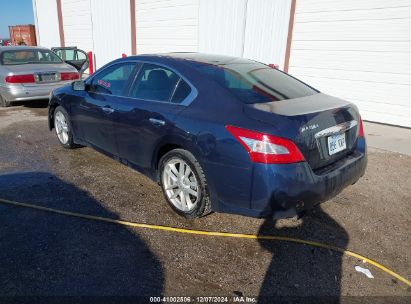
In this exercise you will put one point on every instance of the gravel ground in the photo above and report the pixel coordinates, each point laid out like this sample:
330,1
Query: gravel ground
48,254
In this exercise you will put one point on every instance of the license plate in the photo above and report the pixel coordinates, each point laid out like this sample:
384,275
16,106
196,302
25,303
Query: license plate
49,77
336,143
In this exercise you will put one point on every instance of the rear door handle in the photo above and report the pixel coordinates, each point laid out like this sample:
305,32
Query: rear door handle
157,122
107,110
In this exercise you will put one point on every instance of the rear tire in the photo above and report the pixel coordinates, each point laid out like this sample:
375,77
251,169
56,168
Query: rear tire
184,184
4,103
63,128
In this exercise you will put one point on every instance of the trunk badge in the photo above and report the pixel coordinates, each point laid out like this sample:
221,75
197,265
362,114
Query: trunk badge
310,127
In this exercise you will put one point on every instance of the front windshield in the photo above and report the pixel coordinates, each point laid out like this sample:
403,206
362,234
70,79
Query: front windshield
27,56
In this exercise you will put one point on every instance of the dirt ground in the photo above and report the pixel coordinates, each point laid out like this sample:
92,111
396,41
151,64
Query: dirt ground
45,254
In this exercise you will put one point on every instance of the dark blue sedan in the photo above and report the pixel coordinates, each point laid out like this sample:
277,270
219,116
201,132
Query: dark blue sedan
218,133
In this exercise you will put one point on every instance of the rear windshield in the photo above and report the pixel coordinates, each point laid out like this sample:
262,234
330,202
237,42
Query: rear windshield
28,56
255,82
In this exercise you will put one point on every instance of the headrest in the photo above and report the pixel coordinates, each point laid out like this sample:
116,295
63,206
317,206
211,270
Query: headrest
158,78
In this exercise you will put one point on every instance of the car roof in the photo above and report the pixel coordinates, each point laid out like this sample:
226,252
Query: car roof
21,48
192,58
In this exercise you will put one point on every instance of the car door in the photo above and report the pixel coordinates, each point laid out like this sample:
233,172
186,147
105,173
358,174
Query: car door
94,114
157,95
74,57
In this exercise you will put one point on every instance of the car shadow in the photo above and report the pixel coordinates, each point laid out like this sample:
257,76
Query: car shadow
45,254
299,273
32,104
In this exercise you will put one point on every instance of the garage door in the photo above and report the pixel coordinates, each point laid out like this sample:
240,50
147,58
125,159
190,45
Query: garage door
77,25
111,37
222,26
167,26
254,29
359,51
266,30
47,24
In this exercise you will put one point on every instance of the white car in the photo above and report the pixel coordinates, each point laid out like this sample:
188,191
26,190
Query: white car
29,73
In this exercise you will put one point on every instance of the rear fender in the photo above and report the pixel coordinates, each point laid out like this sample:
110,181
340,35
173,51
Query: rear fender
169,143
52,106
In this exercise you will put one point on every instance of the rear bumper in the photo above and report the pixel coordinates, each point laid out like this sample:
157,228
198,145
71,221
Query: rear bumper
22,93
282,191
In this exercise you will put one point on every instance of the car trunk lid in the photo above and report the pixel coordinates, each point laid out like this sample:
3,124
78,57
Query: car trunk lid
318,124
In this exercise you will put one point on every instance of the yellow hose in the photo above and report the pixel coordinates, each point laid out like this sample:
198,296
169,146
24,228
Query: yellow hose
212,233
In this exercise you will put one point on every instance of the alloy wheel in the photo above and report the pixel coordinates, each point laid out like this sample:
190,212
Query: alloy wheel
62,129
181,185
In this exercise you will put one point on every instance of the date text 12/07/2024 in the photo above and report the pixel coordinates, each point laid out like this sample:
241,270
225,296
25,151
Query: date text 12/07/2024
202,299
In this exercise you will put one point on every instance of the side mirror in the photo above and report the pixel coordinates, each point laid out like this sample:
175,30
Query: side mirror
78,85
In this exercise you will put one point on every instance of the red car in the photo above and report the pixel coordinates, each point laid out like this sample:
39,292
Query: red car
5,42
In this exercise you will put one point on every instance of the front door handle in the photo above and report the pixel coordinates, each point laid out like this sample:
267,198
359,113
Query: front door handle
157,122
107,110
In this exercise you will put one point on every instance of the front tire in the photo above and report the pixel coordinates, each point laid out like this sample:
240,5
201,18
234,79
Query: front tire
184,184
63,128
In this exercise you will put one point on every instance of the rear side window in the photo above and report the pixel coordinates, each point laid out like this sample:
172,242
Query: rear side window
255,82
157,83
66,54
71,54
113,80
181,92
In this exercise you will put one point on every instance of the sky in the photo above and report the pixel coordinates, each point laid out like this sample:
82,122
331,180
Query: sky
14,12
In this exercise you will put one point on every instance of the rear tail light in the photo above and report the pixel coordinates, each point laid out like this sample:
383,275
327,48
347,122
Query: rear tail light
27,78
265,148
69,76
361,129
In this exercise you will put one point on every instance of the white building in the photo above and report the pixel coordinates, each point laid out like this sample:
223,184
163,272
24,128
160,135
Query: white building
359,50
